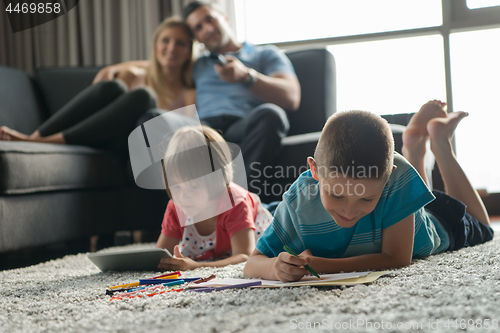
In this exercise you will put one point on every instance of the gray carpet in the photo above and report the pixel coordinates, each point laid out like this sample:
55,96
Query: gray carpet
68,295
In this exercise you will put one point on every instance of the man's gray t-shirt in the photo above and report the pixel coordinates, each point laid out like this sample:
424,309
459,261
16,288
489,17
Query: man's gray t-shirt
215,97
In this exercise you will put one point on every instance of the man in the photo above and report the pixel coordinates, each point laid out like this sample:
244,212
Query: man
246,97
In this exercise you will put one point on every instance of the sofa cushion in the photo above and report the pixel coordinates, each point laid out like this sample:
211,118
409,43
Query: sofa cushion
60,85
27,167
20,104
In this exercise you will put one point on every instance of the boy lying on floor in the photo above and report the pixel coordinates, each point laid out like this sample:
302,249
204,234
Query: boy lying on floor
362,206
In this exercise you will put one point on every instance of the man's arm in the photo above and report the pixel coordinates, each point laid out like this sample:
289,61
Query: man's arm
397,249
280,89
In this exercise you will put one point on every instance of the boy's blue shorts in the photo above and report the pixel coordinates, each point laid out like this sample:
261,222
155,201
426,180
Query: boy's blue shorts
463,229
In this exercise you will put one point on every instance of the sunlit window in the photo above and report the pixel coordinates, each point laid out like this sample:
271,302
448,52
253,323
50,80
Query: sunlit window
265,21
476,84
392,76
472,4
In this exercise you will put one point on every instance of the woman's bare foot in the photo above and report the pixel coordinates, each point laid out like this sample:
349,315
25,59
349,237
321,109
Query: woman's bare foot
441,131
8,134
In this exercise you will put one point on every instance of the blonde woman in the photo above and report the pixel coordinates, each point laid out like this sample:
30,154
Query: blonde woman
104,114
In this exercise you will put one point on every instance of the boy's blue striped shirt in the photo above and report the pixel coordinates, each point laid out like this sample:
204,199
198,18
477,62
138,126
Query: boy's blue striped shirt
301,222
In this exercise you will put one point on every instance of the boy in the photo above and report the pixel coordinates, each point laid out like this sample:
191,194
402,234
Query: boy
375,198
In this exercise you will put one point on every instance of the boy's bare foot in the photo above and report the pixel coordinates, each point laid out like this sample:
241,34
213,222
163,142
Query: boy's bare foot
414,141
416,135
430,110
441,130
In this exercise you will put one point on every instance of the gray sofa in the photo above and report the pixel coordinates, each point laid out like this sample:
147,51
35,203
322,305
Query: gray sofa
53,193
57,193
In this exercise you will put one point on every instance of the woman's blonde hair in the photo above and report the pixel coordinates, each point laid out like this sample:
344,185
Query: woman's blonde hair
154,74
194,152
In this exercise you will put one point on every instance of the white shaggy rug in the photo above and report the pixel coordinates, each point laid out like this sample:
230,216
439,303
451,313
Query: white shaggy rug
68,295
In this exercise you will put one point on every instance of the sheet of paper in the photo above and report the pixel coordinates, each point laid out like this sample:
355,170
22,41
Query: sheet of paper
306,280
312,280
372,276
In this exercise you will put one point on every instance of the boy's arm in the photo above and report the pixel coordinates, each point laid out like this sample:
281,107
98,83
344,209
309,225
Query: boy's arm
397,249
284,267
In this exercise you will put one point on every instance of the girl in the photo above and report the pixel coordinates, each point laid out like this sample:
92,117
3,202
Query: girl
209,216
104,114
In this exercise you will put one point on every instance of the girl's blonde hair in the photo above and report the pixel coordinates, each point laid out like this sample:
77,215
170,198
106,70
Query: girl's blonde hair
154,74
194,152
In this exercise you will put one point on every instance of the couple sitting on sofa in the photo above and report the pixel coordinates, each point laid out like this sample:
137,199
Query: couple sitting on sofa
244,99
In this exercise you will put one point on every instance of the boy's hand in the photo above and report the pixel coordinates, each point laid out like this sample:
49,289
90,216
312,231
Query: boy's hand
178,262
288,268
307,255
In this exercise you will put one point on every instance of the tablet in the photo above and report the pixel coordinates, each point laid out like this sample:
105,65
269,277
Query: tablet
130,260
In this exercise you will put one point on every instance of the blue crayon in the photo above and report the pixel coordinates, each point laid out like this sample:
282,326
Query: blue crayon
160,281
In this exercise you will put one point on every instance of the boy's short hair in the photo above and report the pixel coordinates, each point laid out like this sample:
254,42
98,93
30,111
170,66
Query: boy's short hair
195,152
357,144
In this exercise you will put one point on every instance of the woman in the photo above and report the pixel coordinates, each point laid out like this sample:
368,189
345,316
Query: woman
104,114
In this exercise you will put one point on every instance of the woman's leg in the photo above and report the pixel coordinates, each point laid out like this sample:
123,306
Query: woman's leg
114,122
87,102
457,185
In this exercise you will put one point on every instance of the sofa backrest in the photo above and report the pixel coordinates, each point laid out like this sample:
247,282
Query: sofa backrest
315,70
21,107
60,85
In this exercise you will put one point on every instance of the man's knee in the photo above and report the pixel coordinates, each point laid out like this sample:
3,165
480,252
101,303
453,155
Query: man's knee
273,116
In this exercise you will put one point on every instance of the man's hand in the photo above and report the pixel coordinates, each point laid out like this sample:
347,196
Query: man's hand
107,73
122,71
178,262
288,268
234,71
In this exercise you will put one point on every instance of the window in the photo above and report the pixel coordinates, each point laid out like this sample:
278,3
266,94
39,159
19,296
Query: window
390,76
290,20
476,69
390,57
473,4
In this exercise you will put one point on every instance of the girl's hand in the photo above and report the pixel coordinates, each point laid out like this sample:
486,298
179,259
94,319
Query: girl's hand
178,262
288,268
